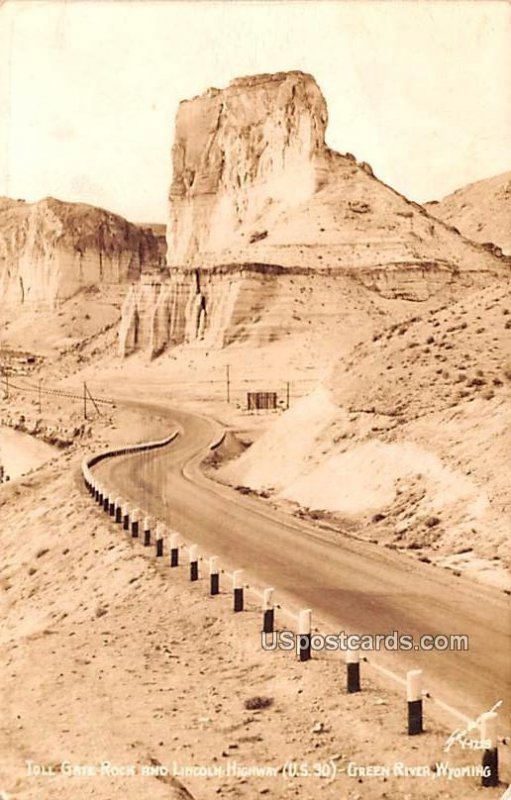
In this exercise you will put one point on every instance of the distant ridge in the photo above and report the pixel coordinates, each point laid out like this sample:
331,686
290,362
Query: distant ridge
480,210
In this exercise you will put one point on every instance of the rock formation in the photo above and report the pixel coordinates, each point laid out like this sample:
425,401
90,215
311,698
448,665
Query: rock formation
51,249
255,190
239,156
481,211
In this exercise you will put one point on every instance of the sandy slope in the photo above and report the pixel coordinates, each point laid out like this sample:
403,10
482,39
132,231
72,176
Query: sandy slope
481,210
79,319
108,659
20,453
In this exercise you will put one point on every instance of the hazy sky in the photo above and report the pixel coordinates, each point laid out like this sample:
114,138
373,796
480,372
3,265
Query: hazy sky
88,90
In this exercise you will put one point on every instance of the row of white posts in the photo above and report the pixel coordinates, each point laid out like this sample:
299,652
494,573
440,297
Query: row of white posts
138,525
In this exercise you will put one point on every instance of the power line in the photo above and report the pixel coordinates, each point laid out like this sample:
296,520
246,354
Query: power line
58,393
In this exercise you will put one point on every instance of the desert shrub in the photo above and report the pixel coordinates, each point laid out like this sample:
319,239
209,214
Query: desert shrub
257,236
258,702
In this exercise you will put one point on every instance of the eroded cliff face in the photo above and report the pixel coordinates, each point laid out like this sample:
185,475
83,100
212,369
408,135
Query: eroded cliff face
246,151
260,304
255,190
50,249
191,307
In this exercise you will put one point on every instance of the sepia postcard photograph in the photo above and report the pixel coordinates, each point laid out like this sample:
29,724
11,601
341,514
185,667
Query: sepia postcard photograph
255,399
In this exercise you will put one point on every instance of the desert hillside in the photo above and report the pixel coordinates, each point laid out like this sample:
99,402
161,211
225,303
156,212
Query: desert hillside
481,210
405,442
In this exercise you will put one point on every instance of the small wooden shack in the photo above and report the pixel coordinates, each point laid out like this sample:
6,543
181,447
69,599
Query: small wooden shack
257,401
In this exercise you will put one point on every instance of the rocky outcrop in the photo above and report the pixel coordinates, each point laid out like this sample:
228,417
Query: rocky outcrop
253,180
242,154
255,184
51,249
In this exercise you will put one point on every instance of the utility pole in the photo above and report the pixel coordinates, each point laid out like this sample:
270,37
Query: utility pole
84,400
6,382
4,371
92,399
228,378
287,394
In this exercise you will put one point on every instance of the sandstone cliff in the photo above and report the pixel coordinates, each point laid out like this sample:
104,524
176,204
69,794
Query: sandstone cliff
255,190
481,210
51,249
237,152
253,180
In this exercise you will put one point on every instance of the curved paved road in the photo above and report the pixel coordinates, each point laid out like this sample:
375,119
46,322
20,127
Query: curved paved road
350,585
